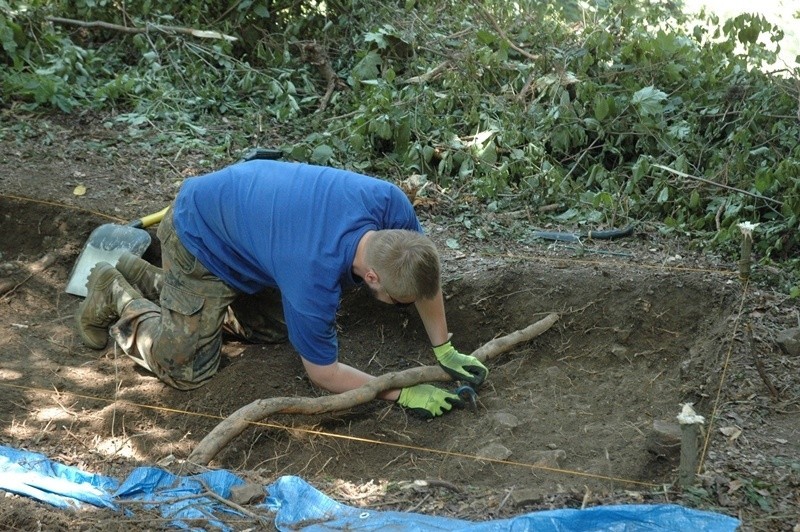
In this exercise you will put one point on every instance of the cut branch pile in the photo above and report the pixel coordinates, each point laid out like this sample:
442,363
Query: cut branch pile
260,409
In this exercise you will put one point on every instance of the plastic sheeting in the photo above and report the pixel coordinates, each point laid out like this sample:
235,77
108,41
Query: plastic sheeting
176,498
34,475
298,505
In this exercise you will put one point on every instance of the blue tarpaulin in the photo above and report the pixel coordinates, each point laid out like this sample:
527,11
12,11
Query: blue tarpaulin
295,504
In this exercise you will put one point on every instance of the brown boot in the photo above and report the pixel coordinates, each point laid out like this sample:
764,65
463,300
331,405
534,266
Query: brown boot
145,278
108,293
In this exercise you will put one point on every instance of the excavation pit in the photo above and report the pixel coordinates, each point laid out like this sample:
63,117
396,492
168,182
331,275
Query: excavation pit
573,409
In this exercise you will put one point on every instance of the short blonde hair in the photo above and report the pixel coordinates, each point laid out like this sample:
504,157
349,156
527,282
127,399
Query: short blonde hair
406,262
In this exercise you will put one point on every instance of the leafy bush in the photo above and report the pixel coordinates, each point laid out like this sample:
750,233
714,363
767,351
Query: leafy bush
620,112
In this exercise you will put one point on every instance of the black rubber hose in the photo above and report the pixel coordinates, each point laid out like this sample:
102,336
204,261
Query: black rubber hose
608,234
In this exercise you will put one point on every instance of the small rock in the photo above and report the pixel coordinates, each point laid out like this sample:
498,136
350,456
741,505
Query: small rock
524,497
664,440
789,340
549,458
494,451
247,494
504,420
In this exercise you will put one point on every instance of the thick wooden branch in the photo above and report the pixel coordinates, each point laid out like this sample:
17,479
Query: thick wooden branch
488,18
260,409
315,54
203,34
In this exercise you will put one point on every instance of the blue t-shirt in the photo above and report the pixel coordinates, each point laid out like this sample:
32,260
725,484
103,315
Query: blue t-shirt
296,227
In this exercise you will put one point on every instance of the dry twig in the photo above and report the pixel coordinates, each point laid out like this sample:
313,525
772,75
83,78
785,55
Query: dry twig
211,493
720,185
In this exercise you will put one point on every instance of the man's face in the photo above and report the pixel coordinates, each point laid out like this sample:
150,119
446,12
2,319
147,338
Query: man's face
380,293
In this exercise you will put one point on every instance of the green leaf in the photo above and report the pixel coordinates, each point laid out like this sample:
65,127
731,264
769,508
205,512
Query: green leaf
568,215
640,168
648,100
763,181
367,68
379,38
452,243
402,137
489,153
603,198
261,11
485,37
356,141
600,108
322,154
663,196
381,128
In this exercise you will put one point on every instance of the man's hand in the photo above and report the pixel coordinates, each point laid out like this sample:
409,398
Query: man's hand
427,400
464,368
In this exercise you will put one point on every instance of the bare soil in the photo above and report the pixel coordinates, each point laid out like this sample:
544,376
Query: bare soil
646,325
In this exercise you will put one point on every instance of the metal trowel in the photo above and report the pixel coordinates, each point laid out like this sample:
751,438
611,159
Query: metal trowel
107,243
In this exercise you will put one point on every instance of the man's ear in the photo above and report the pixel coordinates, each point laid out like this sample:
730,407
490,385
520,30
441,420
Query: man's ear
371,277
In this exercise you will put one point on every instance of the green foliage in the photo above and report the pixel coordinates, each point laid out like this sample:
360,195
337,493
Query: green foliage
624,111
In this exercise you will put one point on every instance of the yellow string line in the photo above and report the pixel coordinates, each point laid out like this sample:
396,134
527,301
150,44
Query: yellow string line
345,437
725,364
65,206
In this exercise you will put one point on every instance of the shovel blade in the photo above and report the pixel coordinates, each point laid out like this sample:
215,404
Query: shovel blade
106,244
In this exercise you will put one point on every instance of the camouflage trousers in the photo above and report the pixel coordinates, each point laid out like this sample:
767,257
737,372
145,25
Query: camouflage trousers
180,338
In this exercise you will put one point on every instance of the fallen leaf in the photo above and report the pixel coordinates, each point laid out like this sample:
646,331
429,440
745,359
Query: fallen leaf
80,190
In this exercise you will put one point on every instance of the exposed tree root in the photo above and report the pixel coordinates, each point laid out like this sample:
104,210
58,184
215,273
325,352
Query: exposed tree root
258,410
8,286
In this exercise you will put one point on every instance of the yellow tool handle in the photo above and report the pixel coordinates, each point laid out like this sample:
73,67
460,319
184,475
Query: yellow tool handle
151,219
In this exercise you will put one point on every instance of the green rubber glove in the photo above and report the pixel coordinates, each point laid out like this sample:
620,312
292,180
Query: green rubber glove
465,368
427,400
